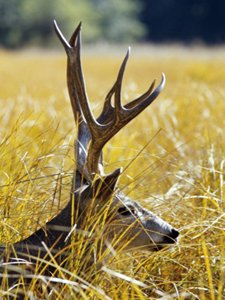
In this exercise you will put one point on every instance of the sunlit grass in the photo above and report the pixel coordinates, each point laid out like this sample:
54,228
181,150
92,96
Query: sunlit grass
172,155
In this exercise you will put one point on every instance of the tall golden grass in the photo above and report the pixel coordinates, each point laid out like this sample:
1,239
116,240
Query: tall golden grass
173,157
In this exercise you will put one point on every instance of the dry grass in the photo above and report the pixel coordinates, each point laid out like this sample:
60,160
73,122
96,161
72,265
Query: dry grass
179,174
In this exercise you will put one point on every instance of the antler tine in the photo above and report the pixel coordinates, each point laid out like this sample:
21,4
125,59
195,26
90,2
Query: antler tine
68,48
138,105
135,107
75,79
61,37
116,90
118,84
74,35
79,82
141,98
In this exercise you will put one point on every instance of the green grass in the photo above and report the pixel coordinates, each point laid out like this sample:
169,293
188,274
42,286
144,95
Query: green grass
172,154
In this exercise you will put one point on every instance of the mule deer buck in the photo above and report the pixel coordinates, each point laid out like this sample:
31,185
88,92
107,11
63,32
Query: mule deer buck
92,190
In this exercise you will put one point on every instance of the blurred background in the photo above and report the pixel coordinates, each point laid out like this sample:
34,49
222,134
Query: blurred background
25,23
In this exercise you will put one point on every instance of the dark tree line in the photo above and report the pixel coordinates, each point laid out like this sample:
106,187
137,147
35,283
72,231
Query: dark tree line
184,20
24,22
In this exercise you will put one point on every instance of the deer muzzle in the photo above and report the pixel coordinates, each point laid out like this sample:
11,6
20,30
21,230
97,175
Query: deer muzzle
160,233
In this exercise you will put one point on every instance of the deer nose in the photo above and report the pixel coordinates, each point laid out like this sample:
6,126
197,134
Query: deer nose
174,233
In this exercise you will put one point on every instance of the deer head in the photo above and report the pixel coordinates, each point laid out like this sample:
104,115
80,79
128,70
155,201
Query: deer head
91,187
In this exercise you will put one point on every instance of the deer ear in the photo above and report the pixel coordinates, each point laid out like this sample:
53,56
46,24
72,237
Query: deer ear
105,186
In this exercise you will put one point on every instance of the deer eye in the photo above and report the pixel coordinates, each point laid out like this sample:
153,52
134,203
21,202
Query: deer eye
126,211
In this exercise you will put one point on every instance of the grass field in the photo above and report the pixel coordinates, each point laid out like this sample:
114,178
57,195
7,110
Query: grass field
175,153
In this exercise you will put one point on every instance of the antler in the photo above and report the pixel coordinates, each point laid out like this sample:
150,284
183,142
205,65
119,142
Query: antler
93,133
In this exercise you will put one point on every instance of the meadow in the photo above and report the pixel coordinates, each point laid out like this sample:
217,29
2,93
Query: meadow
173,156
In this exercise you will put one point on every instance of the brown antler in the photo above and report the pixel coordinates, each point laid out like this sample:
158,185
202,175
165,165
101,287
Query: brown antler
94,134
